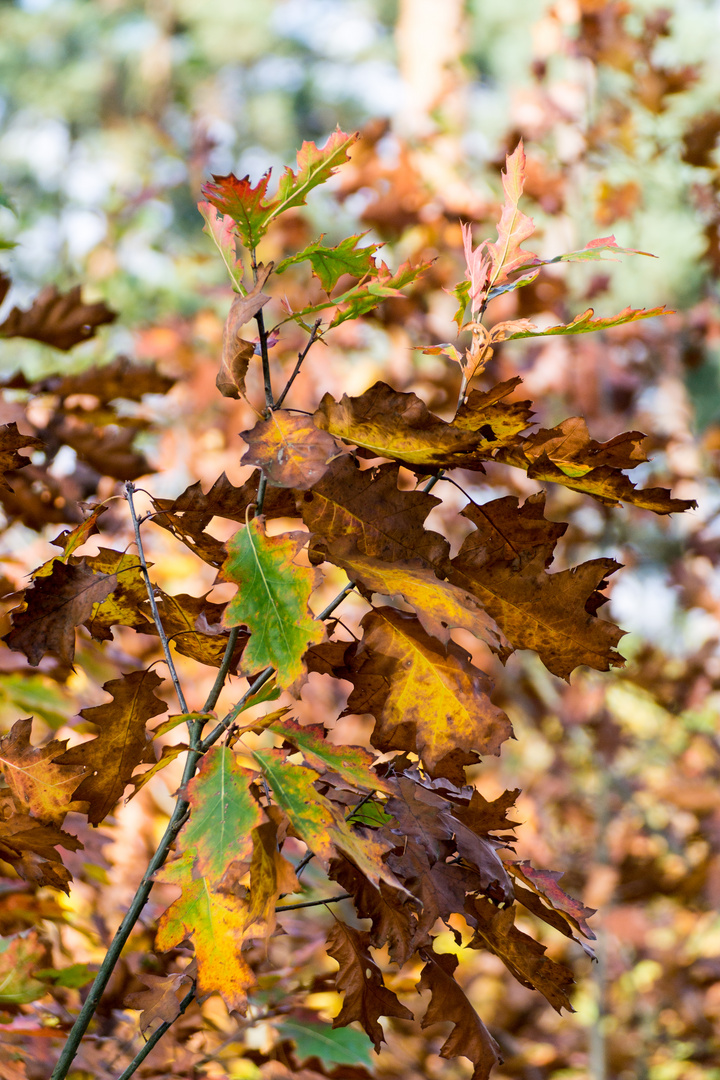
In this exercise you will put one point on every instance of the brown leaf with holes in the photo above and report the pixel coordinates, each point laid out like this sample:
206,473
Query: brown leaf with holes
12,440
433,701
236,351
469,1037
107,448
366,996
524,958
54,606
40,786
291,451
58,319
121,744
393,920
553,614
367,504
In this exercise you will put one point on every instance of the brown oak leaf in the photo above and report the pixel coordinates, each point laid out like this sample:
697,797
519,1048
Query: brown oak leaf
121,744
524,958
553,614
366,996
236,352
12,440
58,319
160,1001
469,1036
54,606
367,504
40,786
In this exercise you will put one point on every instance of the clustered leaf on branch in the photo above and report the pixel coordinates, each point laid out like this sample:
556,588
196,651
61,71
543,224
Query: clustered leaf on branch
404,836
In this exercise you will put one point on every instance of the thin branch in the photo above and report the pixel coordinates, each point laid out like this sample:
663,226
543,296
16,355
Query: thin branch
262,486
175,824
262,333
230,718
217,686
326,612
315,903
129,489
156,1036
305,861
301,357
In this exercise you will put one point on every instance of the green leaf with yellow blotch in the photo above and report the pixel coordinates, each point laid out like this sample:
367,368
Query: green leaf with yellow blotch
318,822
223,813
217,839
214,922
272,600
353,762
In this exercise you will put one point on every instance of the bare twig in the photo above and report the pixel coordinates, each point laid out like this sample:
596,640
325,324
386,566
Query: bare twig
262,334
301,357
315,903
176,822
217,686
129,489
156,1036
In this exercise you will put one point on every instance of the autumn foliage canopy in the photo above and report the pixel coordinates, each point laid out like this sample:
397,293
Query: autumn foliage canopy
398,832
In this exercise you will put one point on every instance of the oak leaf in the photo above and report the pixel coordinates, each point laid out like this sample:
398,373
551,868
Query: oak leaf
194,626
271,876
222,231
366,996
544,883
12,440
121,744
393,921
352,763
553,614
121,378
126,604
272,600
469,1036
54,606
31,849
329,264
58,319
160,1001
291,451
367,504
21,956
524,958
318,822
40,786
386,423
250,207
440,887
223,814
439,605
434,701
585,324
514,227
213,921
567,455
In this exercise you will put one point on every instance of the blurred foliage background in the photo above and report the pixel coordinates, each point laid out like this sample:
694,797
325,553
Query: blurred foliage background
111,114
